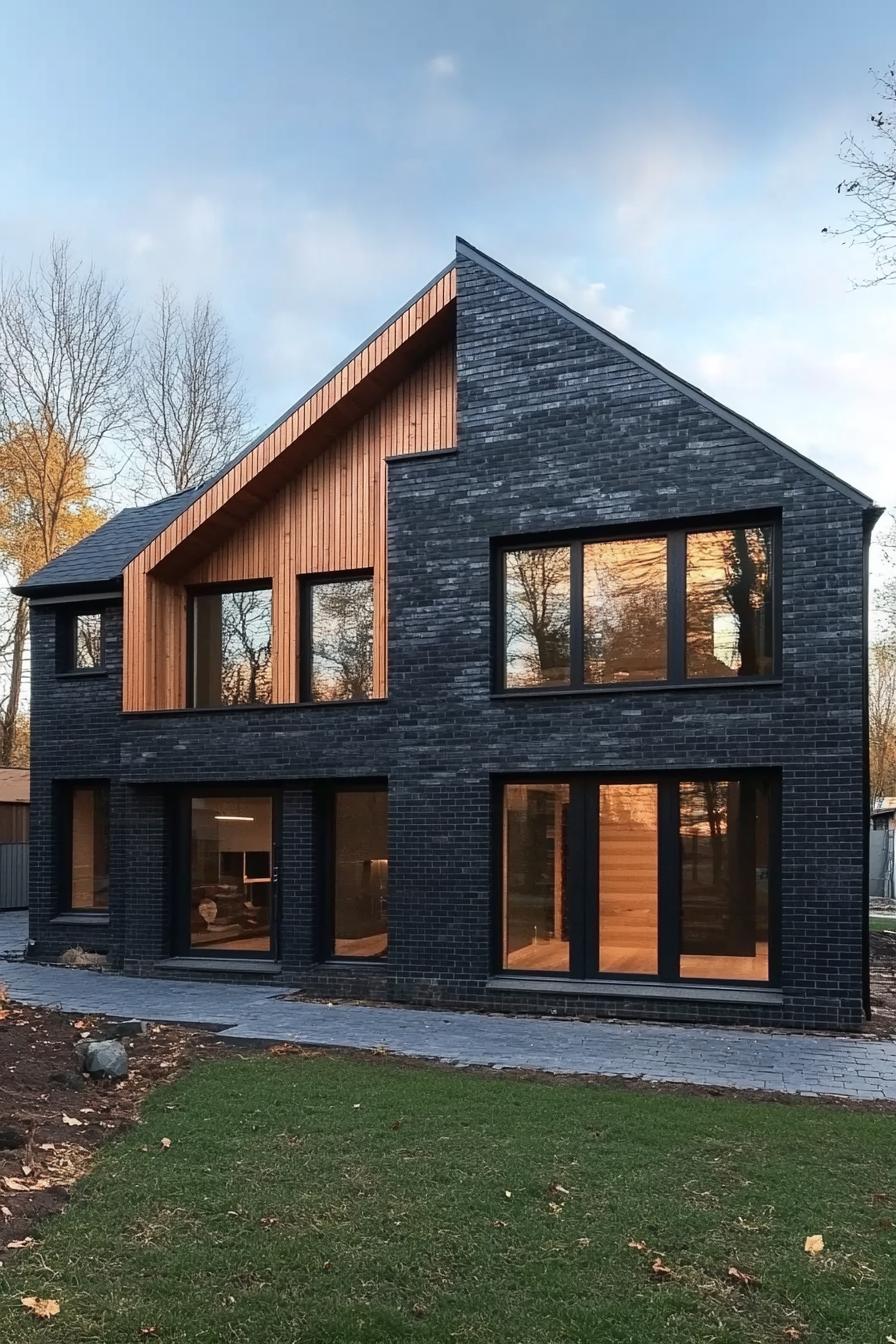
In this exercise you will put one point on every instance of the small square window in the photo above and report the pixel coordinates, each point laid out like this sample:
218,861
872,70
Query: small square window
81,641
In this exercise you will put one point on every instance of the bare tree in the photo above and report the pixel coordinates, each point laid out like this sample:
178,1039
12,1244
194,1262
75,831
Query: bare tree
871,184
882,719
65,353
190,409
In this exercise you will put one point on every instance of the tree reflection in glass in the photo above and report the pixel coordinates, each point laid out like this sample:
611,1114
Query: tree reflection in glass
729,602
625,610
342,640
536,616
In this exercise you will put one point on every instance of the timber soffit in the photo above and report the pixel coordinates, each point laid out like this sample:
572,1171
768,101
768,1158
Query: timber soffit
471,253
304,400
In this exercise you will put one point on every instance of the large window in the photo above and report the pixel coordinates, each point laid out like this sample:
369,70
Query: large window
231,646
230,898
336,661
359,872
86,842
80,641
668,878
687,605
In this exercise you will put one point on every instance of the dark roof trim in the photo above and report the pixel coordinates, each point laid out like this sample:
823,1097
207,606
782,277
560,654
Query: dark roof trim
465,249
88,590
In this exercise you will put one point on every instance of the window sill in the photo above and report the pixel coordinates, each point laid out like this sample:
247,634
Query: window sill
639,687
88,918
220,964
636,989
77,673
353,963
255,709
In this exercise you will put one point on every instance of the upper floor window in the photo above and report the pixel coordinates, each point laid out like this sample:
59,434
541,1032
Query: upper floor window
231,646
336,660
81,641
692,604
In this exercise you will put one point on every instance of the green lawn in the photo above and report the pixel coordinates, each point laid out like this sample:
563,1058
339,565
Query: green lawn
327,1201
883,922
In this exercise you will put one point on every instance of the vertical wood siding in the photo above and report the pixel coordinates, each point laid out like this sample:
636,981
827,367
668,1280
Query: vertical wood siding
330,516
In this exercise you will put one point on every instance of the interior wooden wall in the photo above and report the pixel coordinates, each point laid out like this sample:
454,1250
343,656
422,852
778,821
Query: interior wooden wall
331,516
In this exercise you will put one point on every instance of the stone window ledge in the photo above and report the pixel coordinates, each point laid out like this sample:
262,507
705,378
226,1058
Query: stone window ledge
89,918
635,989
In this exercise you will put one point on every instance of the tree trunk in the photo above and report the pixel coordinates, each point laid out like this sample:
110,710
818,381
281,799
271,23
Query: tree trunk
11,715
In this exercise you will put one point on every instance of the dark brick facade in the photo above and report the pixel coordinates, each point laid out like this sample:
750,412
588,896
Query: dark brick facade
556,431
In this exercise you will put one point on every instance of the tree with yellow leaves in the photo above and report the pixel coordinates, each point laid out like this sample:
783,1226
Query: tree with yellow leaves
65,356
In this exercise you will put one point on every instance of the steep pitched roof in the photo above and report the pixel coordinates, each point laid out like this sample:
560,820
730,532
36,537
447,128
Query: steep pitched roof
100,559
465,249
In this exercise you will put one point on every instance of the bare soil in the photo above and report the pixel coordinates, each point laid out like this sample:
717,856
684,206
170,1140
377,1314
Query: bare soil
52,1119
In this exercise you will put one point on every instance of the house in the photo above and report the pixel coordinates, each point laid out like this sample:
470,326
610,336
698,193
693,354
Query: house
14,801
495,674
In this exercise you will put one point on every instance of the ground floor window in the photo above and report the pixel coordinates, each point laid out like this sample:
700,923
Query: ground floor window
668,878
359,872
86,829
231,873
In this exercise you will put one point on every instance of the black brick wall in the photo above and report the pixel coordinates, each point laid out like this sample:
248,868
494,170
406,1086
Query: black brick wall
555,431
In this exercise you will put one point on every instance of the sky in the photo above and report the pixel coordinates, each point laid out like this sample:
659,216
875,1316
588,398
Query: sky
665,168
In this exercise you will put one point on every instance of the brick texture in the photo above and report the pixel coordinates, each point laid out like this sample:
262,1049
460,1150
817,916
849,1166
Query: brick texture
555,431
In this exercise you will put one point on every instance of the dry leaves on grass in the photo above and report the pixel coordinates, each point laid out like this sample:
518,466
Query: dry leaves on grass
814,1245
41,1306
742,1278
20,1245
660,1270
637,1245
166,1143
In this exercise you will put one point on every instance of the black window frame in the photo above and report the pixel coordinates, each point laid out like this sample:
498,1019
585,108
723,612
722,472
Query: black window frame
583,877
64,791
195,590
304,651
675,535
67,640
325,851
179,864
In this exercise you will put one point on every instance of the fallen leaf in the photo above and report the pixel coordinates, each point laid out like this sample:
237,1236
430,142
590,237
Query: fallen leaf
583,1242
498,1222
660,1270
81,1023
555,1209
792,1333
20,1245
396,1124
555,1189
26,1170
637,1245
508,1194
149,1329
742,1277
70,1120
166,1143
6,1211
19,1186
814,1245
879,1197
41,1306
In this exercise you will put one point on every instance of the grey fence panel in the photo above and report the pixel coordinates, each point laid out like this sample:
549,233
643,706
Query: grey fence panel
881,889
13,877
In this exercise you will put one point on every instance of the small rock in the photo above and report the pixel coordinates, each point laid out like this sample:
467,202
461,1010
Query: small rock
10,1137
68,1078
106,1059
132,1026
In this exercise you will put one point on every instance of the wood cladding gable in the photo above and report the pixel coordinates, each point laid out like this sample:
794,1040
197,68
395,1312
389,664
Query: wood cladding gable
328,516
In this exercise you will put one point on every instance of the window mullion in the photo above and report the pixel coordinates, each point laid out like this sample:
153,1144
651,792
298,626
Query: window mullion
576,615
676,561
669,880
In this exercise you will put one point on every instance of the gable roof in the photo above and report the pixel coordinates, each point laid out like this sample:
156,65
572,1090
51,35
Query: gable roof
465,249
214,507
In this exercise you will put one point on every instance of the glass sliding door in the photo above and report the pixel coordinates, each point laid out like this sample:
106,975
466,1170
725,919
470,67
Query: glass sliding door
628,879
231,872
667,878
536,937
360,873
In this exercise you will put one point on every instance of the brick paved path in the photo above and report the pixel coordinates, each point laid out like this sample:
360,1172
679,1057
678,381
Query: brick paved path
770,1061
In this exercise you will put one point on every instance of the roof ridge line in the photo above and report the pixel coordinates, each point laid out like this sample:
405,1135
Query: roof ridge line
709,402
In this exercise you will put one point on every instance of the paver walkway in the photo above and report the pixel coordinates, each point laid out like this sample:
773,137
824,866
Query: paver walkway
775,1061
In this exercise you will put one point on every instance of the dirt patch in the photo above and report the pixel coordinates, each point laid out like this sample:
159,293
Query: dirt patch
52,1120
883,985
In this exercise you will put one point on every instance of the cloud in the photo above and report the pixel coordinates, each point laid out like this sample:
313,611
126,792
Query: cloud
588,297
443,66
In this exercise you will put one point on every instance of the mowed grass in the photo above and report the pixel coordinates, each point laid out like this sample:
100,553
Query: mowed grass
883,923
327,1200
